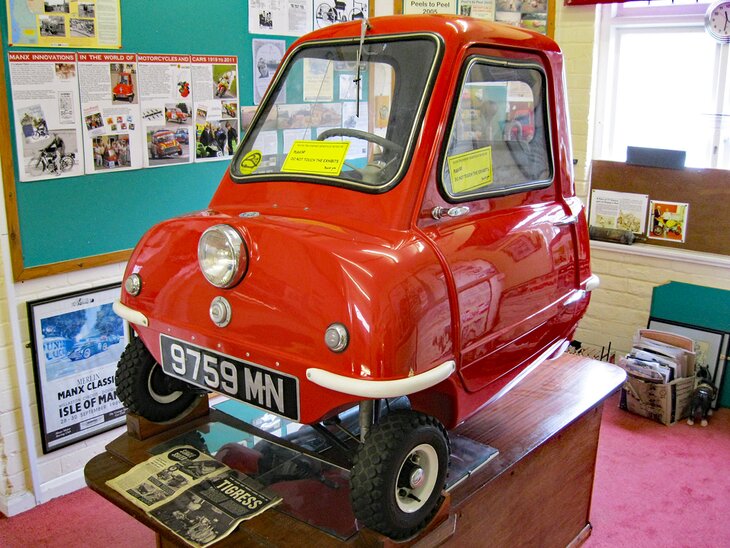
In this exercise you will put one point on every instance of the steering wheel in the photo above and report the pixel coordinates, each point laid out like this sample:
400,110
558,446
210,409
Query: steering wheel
358,134
372,172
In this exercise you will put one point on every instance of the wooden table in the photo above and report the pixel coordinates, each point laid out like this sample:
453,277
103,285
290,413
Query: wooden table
537,491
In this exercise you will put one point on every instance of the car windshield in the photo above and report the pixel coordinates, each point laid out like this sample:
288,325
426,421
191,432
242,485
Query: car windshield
331,119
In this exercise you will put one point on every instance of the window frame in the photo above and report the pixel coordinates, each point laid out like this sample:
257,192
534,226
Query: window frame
491,59
615,19
340,182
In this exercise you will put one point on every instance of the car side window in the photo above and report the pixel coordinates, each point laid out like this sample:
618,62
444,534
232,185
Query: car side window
499,141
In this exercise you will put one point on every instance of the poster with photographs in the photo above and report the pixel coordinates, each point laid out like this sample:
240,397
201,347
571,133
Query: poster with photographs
110,111
65,23
76,341
47,122
166,103
215,106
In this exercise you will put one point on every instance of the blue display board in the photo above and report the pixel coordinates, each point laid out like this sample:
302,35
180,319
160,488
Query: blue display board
70,219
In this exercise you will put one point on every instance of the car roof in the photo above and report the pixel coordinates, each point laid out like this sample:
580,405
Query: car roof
457,31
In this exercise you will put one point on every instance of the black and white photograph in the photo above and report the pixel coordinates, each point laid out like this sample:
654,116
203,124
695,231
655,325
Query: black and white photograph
76,342
55,6
87,9
81,27
51,25
267,55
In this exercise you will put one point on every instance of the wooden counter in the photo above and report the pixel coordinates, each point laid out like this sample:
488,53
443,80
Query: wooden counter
537,491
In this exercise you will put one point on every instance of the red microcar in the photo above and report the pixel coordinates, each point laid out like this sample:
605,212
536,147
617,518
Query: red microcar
416,246
124,90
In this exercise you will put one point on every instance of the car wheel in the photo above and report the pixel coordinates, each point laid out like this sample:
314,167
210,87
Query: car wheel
86,353
104,346
399,473
146,390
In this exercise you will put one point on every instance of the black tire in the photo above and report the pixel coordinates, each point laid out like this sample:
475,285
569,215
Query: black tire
146,390
384,472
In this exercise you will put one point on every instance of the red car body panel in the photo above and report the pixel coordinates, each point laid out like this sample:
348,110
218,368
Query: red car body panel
125,87
492,290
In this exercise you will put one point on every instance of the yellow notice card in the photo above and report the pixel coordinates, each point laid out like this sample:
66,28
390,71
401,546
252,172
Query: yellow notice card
316,157
471,170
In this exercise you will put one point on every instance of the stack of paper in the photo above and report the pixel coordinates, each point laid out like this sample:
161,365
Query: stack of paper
660,357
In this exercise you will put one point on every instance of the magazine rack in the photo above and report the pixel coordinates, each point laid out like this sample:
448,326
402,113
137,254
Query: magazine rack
537,491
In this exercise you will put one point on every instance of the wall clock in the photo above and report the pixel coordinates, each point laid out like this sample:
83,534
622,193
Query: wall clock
717,21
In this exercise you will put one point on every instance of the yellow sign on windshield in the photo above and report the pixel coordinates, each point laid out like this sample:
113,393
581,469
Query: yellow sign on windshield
316,157
471,170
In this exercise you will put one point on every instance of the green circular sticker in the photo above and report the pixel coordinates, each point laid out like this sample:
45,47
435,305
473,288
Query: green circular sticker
250,162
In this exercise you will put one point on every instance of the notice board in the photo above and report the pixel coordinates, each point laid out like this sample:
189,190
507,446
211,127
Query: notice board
78,222
707,191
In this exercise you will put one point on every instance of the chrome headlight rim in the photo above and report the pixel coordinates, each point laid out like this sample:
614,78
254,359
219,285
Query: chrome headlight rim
337,337
133,284
237,246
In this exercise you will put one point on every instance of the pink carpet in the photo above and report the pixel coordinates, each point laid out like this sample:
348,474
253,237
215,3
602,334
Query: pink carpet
655,486
659,485
80,520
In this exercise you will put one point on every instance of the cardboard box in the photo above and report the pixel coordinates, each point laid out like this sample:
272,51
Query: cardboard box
665,403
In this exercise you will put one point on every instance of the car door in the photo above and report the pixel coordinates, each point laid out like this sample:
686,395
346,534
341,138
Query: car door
499,219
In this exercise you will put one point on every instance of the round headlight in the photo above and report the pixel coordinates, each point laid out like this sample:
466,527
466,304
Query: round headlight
222,256
133,284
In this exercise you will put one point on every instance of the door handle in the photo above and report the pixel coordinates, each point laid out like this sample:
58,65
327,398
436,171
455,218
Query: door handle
566,221
439,212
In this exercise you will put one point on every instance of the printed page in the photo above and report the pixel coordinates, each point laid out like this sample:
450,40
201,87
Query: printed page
110,110
47,121
215,93
197,497
166,102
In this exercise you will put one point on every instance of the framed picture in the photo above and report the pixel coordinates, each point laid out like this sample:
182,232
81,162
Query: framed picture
76,341
710,346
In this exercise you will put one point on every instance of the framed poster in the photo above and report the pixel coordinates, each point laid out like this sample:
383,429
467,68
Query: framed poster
76,341
710,347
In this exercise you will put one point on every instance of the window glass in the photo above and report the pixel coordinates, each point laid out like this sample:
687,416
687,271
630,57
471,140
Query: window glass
498,140
352,113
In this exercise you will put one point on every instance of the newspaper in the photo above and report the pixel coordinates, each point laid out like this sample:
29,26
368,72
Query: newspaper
198,498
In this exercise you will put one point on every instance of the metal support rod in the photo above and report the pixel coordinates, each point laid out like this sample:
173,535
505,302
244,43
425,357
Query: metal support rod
366,418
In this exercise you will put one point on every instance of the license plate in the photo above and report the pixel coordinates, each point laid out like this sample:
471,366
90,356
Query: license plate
259,386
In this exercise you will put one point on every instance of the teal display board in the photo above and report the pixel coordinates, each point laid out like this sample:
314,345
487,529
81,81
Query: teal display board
62,222
696,306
